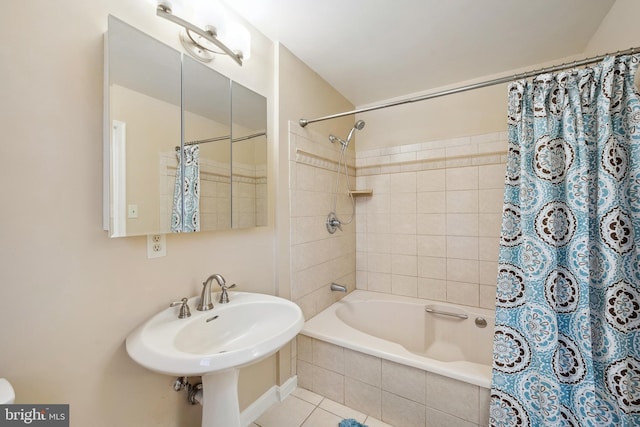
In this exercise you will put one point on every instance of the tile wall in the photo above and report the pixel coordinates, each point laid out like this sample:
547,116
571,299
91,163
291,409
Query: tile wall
317,257
431,227
396,394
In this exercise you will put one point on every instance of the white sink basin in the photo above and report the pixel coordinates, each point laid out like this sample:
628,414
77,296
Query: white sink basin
247,329
215,344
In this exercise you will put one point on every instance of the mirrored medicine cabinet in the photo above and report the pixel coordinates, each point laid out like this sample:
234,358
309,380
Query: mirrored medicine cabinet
185,148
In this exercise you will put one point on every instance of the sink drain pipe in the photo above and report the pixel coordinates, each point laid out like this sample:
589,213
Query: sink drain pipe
194,391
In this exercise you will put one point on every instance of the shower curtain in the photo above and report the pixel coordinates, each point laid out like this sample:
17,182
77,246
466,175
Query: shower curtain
567,341
186,200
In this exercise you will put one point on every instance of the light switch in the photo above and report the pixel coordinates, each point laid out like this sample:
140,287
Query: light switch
132,211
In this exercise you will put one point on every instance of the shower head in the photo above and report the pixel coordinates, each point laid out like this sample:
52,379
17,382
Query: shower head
358,126
335,139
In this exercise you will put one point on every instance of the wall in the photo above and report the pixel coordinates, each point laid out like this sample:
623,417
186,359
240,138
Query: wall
319,258
70,294
430,229
301,93
482,111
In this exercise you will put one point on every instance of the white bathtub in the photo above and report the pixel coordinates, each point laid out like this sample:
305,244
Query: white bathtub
399,329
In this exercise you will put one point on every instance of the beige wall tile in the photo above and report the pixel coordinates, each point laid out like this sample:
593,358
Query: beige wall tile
379,282
404,381
431,202
489,248
487,297
379,263
489,224
403,223
485,400
403,203
328,383
404,244
492,176
432,246
431,180
379,242
403,183
462,247
462,201
378,223
363,367
404,285
462,270
462,178
437,418
433,289
399,411
491,200
463,293
328,356
304,370
462,224
453,397
432,224
432,268
488,272
406,265
363,397
304,348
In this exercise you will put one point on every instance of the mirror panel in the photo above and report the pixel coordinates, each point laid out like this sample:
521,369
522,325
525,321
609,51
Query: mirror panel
207,120
249,157
144,120
156,100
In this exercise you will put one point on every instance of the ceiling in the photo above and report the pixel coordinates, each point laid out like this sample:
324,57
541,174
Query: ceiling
373,50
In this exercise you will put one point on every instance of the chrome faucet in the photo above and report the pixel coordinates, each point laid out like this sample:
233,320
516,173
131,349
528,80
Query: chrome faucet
205,299
339,288
184,308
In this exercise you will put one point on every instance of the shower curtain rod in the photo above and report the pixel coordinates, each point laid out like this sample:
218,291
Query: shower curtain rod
500,80
222,138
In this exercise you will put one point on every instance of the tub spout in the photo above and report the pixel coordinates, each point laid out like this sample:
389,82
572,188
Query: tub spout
339,288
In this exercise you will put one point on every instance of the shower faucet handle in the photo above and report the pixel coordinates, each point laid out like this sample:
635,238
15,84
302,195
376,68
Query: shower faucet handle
333,223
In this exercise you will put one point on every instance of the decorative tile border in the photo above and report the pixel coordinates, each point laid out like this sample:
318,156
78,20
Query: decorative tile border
458,152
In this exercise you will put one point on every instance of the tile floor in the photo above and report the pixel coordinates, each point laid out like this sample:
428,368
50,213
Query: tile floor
304,408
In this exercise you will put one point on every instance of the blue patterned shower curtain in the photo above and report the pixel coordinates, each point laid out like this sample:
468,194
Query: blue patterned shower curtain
567,340
186,209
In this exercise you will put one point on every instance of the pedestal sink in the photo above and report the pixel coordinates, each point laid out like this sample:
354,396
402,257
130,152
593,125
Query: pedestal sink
215,344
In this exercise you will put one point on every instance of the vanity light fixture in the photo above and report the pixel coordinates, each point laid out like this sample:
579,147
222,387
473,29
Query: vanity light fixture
228,38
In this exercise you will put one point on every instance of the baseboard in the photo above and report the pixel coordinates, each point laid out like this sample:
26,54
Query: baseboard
272,396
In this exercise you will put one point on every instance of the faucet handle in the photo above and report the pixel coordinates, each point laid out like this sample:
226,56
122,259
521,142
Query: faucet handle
224,296
184,308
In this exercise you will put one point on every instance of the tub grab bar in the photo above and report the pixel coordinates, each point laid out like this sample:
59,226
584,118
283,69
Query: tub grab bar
446,313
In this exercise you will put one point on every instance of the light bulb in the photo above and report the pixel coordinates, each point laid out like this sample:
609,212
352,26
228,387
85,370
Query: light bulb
237,38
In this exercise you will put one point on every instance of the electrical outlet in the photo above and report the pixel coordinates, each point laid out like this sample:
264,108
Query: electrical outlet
156,245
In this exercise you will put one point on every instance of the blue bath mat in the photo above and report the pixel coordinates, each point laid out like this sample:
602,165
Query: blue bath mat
350,423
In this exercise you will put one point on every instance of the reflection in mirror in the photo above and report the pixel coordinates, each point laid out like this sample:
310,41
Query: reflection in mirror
249,157
207,114
144,122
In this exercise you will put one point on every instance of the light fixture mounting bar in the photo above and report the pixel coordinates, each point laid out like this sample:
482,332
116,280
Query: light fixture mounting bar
165,13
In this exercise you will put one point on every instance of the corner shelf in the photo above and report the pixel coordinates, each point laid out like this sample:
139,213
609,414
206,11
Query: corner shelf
360,193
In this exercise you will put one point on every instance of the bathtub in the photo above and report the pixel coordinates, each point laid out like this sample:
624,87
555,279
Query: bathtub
399,329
